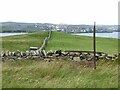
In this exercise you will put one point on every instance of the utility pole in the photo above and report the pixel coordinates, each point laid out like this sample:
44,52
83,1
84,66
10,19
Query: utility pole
94,44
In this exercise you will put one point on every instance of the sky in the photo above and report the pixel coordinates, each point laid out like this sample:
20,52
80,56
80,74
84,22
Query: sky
60,11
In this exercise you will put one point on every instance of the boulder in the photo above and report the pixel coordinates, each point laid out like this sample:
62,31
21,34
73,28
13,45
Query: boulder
76,58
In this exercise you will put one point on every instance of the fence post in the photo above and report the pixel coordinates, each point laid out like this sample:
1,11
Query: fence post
94,44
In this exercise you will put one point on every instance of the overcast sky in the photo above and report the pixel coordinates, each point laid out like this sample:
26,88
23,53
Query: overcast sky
60,11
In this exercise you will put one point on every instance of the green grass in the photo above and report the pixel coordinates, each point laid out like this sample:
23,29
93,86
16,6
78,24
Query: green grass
59,41
58,74
74,42
22,42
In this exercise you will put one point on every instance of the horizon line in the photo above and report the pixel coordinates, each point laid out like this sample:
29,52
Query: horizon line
55,23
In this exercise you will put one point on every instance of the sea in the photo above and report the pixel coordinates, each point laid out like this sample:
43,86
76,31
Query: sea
106,35
10,34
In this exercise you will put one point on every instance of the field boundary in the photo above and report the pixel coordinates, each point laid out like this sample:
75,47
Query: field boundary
45,41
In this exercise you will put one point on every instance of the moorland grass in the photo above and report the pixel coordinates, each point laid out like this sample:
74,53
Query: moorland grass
58,74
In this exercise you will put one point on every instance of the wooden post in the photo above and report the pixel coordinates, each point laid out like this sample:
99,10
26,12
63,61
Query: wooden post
94,44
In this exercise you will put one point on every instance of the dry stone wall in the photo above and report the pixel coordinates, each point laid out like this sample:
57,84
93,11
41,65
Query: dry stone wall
41,54
56,55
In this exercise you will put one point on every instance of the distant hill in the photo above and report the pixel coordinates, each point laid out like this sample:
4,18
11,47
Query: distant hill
38,27
23,27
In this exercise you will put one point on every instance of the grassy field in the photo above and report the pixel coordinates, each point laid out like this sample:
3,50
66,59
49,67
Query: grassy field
22,42
59,74
74,42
